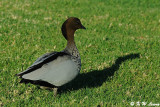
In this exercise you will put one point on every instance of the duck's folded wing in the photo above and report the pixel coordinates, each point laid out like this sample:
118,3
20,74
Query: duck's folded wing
44,59
57,72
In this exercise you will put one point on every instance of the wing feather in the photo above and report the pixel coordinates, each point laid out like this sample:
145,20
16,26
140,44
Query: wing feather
44,59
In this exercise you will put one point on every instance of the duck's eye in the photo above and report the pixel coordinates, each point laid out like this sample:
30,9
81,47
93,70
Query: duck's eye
77,22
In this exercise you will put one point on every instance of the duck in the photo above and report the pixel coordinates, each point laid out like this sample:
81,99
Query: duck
55,69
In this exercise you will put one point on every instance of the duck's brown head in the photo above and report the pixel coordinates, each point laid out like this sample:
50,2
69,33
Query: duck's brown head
70,26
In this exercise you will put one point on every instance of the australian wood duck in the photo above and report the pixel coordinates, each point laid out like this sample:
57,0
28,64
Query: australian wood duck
56,68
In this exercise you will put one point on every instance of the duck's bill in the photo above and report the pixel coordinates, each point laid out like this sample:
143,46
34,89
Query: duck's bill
82,27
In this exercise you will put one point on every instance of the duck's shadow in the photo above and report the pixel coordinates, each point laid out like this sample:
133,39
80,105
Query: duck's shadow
97,77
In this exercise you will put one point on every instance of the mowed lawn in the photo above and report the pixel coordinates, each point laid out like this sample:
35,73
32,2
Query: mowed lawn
120,51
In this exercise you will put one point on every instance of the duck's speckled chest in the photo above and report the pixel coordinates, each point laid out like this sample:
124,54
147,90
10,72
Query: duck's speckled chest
75,57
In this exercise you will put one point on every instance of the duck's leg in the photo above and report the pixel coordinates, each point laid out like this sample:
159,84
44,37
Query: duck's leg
55,91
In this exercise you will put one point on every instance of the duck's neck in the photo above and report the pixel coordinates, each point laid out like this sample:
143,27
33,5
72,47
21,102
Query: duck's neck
71,46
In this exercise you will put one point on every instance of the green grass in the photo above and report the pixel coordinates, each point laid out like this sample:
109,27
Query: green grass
120,51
